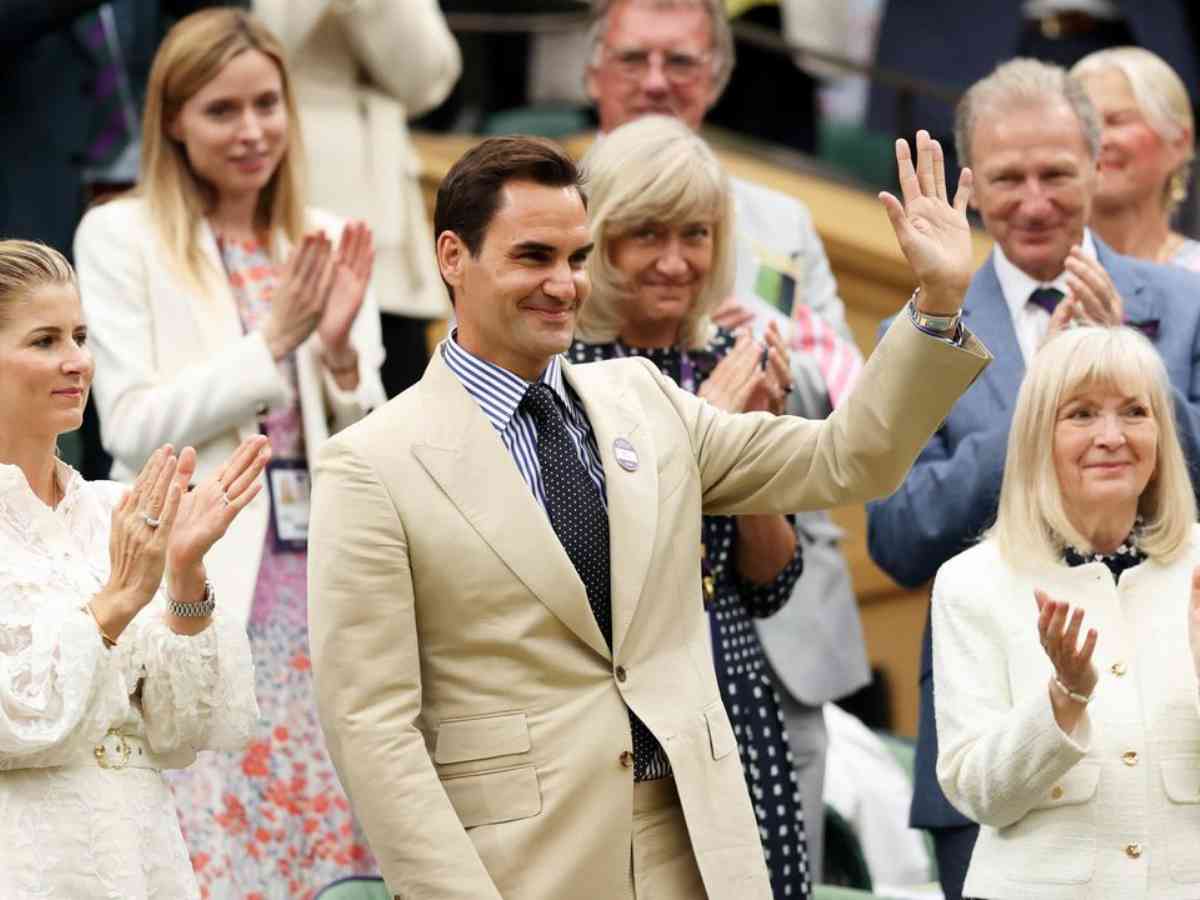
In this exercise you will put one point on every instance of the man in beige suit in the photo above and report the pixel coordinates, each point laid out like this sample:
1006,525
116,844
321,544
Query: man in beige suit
508,638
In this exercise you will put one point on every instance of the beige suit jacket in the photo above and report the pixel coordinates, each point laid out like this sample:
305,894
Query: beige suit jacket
472,708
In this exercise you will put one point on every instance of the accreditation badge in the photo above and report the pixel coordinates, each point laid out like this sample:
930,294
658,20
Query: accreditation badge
291,492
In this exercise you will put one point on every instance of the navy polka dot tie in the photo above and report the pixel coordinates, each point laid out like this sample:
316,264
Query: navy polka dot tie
580,520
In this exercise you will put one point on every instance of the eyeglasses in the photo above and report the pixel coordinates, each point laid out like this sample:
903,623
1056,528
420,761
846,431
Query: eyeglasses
678,68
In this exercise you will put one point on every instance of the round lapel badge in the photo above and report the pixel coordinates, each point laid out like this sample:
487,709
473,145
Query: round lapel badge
627,457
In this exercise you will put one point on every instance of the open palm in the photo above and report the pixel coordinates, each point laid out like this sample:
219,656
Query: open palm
933,233
351,274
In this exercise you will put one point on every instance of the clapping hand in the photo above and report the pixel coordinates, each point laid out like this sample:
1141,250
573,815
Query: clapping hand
739,383
933,234
352,273
207,512
1058,630
1091,290
300,300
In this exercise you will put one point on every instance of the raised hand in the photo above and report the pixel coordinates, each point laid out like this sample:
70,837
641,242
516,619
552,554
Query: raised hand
1058,630
933,234
352,273
207,512
299,302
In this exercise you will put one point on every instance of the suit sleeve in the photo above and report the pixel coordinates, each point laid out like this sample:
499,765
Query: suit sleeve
366,668
998,755
944,504
144,397
759,463
422,74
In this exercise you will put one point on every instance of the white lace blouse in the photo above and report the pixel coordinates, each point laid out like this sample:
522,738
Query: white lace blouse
69,827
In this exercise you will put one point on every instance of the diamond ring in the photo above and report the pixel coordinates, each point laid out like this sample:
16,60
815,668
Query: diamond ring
150,520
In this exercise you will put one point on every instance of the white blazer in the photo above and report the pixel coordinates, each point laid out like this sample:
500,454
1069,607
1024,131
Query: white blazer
173,365
1111,811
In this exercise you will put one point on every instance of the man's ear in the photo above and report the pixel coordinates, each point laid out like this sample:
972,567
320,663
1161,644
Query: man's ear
452,256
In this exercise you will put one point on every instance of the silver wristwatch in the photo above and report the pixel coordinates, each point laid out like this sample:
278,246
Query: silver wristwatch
196,609
944,327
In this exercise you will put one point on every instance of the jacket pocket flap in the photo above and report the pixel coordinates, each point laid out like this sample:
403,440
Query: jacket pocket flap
720,734
1181,779
486,798
1077,786
481,737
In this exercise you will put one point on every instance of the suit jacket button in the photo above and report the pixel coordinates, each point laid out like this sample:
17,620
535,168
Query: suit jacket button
1119,669
621,674
1129,757
261,410
1133,851
626,759
1056,792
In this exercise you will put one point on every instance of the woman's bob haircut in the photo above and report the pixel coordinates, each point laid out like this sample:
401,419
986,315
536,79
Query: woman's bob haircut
1032,525
653,169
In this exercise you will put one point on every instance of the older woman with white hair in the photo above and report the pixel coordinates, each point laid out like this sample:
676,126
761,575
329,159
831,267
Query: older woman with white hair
1065,643
1146,153
662,223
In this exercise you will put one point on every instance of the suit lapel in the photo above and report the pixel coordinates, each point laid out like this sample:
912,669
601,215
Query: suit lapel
986,314
632,496
469,461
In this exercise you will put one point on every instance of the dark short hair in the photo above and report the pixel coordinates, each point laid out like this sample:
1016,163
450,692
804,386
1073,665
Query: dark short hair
469,196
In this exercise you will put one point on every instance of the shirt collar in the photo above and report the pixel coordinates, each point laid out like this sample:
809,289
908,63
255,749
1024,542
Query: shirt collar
1017,285
498,391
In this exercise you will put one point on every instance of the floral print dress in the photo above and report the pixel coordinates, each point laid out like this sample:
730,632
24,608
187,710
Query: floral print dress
273,821
741,663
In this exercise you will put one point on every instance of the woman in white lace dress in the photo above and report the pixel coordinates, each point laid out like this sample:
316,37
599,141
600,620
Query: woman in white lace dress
109,673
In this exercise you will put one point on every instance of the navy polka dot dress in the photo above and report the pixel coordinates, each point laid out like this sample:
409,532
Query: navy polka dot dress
749,697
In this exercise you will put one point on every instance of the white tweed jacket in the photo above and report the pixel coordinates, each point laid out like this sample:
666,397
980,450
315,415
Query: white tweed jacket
1111,811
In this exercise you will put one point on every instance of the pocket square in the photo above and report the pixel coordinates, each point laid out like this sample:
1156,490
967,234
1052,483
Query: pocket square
1148,327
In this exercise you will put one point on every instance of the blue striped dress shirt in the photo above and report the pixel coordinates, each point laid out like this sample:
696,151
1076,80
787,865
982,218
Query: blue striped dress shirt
499,393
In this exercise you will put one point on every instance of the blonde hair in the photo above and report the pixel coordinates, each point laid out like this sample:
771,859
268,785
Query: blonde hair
193,53
1162,98
26,266
1032,525
1023,83
654,169
723,52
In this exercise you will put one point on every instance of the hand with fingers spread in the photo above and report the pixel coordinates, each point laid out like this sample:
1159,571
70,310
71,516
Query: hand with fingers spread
207,512
1074,671
738,383
933,234
352,273
299,303
1092,290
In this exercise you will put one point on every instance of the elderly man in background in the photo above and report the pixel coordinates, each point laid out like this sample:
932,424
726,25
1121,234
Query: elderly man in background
674,57
1031,136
